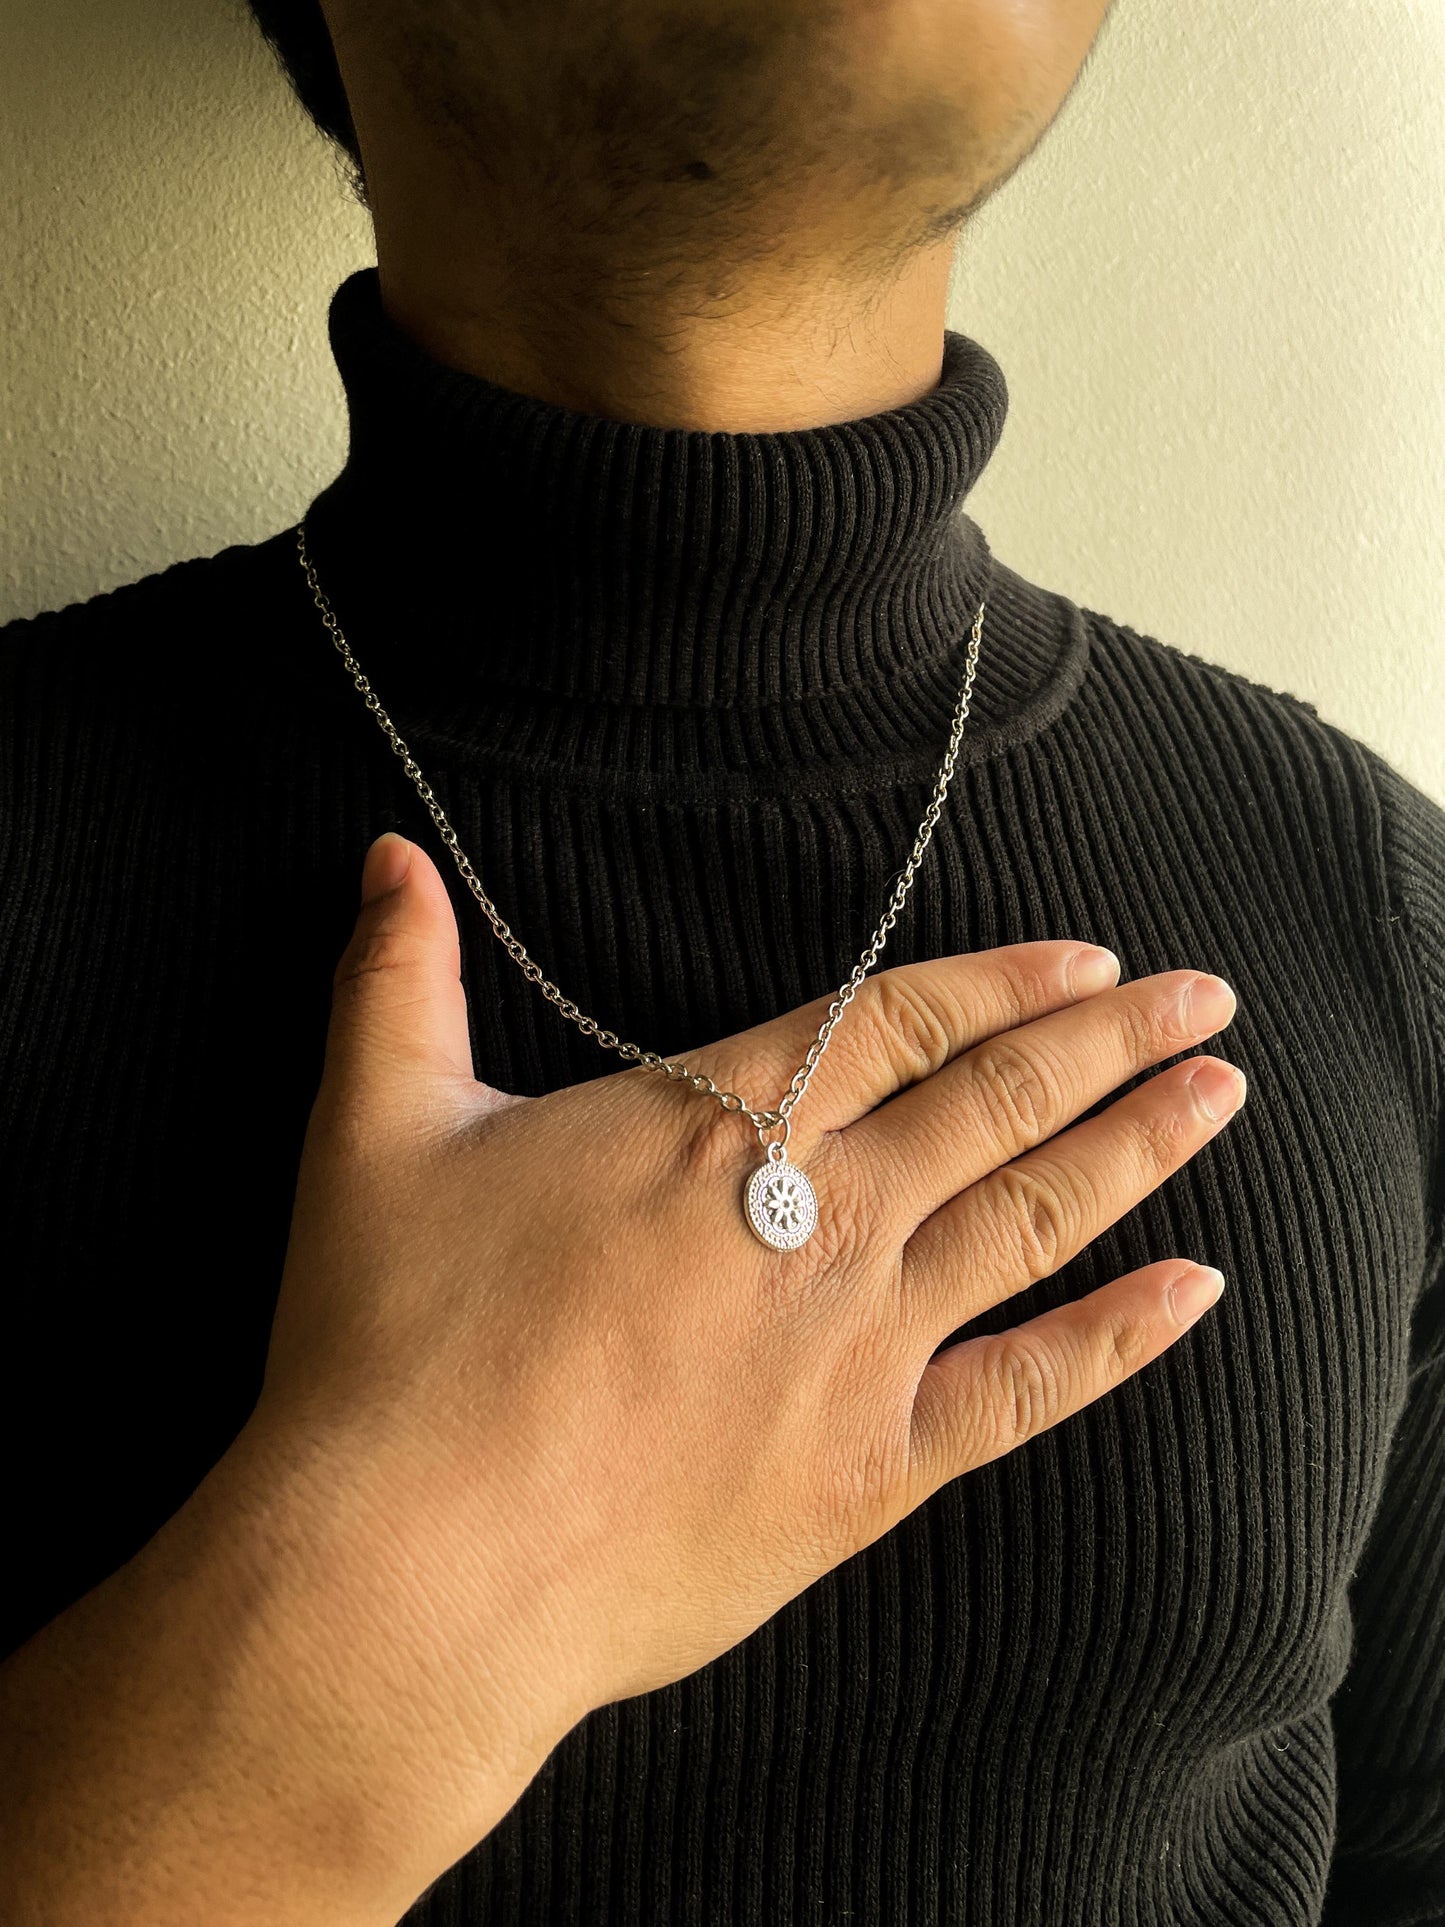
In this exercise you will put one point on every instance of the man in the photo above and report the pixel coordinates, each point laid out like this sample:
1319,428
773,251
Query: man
650,542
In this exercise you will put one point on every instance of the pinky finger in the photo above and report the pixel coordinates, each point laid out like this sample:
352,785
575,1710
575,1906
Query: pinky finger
986,1396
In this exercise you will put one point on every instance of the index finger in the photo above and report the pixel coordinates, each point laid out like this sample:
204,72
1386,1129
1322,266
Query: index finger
899,1027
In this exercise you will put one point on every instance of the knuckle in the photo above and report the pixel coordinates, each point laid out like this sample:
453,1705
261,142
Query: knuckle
1169,1021
862,1486
374,950
852,1208
343,1121
915,1021
711,1154
1142,1021
1024,1388
709,1146
1041,1217
1126,1345
1162,1129
1027,981
1014,1089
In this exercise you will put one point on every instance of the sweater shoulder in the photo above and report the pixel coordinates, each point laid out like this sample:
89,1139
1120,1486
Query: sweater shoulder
1412,831
1402,828
1333,800
1223,694
1412,845
1269,729
143,634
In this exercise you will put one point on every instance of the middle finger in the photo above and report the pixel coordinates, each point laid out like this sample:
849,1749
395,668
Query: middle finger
1020,1086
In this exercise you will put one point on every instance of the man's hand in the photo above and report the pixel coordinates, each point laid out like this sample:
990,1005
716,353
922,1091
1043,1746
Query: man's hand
544,1425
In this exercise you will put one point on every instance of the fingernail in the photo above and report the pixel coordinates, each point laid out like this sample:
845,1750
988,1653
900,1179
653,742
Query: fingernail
1193,1292
1218,1089
1094,970
387,862
1209,1003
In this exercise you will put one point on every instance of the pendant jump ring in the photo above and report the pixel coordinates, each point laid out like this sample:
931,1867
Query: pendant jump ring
778,1149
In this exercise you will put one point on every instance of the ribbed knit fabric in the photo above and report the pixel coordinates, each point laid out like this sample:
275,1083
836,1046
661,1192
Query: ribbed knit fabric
1181,1659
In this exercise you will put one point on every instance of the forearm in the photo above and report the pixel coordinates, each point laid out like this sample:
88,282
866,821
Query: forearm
223,1732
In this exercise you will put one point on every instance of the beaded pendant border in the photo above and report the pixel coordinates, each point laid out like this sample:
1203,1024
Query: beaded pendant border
781,1205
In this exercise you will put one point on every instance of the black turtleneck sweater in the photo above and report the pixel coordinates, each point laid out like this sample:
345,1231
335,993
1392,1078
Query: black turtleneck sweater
684,696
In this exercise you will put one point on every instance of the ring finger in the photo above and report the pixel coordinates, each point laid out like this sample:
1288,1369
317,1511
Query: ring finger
1030,1217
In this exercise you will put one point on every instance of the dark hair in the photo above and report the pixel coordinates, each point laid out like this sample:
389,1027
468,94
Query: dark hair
298,35
684,131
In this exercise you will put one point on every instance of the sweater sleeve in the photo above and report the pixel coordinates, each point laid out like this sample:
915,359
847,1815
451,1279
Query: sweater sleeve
1389,1712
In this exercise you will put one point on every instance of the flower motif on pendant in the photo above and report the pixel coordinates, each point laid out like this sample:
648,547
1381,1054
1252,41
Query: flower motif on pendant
781,1205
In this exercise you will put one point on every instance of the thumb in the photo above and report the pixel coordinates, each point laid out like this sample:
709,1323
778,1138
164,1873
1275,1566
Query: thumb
398,1010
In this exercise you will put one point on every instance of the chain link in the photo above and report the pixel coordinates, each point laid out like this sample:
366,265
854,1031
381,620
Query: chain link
676,1072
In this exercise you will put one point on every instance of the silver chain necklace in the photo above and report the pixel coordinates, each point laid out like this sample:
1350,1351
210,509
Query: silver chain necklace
779,1202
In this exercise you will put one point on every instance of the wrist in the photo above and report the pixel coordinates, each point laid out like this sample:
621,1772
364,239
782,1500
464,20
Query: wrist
246,1724
406,1693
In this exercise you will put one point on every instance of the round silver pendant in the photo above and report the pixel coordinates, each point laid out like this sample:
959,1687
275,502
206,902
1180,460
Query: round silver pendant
780,1205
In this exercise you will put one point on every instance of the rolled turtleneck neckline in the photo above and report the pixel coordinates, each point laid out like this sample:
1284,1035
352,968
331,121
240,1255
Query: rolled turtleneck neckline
488,541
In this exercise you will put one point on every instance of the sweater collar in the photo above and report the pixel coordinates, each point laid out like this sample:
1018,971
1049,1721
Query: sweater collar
511,543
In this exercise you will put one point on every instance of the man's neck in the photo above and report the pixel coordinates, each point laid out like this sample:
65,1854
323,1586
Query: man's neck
752,367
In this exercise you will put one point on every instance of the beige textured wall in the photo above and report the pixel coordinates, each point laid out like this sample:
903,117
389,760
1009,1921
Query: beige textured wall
1216,291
